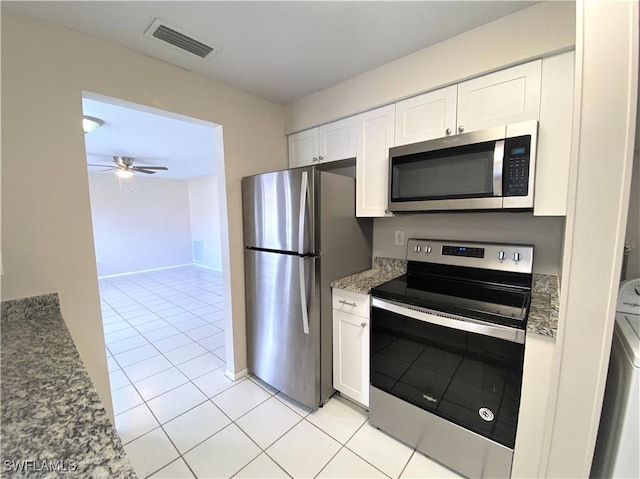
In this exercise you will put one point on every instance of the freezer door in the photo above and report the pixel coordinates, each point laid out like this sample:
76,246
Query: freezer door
283,338
278,211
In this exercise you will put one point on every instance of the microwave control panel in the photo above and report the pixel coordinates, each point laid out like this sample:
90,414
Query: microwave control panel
516,166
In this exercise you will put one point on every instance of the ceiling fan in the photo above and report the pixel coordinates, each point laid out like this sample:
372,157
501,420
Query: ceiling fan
123,166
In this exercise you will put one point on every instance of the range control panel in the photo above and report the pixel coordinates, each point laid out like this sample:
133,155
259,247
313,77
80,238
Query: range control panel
517,258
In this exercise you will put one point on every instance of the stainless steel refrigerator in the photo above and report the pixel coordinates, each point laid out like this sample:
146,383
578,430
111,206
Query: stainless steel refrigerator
300,233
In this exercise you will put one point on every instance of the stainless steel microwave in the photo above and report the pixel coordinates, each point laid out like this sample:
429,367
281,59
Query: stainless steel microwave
490,169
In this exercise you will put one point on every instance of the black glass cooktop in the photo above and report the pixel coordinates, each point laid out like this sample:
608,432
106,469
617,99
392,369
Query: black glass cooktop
501,299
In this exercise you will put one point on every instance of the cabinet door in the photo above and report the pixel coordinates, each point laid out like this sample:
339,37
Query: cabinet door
554,136
506,96
351,356
375,137
337,140
427,116
303,148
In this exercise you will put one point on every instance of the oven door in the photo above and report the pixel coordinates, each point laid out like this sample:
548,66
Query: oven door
465,372
461,172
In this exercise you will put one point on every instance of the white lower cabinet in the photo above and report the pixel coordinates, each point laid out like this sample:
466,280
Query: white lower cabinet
351,345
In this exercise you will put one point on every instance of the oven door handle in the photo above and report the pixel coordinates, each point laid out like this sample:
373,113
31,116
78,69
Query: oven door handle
422,314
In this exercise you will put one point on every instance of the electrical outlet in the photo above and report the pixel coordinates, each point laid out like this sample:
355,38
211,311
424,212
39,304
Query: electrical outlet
98,259
399,238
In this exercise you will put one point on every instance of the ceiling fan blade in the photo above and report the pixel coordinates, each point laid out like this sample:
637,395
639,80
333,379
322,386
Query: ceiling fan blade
164,168
109,169
103,165
142,170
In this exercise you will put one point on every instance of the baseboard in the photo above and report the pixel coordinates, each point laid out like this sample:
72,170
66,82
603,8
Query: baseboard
146,270
236,376
207,267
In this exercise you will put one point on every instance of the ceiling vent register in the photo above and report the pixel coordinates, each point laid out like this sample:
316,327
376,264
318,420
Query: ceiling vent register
160,30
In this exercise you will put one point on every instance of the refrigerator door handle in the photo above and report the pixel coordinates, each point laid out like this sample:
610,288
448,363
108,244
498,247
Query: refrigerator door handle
303,297
303,212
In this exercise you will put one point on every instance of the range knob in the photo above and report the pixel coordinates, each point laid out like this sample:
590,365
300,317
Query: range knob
427,249
501,255
517,257
417,248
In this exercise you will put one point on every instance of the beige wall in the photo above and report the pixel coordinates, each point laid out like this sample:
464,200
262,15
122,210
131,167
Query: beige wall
47,241
540,30
544,233
139,223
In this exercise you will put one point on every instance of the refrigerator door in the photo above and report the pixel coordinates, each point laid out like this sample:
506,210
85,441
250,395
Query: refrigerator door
283,340
278,210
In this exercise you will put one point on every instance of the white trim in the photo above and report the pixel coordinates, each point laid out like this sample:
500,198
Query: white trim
236,376
147,270
607,65
207,267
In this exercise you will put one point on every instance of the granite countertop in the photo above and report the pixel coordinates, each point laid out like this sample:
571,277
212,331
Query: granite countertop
384,269
53,422
545,304
545,300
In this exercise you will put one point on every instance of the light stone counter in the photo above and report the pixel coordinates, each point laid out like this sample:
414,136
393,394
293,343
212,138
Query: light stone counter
384,269
545,299
53,422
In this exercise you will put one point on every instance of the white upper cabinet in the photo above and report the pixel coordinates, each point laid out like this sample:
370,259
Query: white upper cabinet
337,140
506,96
375,137
554,135
426,116
330,142
303,148
539,90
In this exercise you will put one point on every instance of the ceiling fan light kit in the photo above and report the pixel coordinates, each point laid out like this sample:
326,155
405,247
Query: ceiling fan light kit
91,123
123,174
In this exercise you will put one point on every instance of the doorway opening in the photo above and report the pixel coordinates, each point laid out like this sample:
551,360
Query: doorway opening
158,205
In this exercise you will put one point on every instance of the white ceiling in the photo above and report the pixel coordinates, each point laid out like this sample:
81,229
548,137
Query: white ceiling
152,139
280,51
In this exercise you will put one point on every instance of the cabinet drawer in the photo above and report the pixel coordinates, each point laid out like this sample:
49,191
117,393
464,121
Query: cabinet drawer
352,303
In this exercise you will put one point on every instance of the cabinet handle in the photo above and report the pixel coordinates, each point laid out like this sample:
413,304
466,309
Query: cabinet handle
320,158
314,159
364,325
342,301
461,128
448,131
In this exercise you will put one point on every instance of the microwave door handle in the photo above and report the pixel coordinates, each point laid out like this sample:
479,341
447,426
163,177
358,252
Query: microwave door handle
498,164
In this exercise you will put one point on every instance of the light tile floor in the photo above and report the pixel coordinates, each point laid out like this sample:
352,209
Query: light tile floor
179,416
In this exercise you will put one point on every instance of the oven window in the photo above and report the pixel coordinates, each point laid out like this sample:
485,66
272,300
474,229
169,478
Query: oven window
462,174
469,379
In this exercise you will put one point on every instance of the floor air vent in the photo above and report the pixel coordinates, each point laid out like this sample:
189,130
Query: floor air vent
161,30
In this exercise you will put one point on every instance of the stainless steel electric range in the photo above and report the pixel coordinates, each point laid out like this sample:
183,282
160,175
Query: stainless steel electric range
447,348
